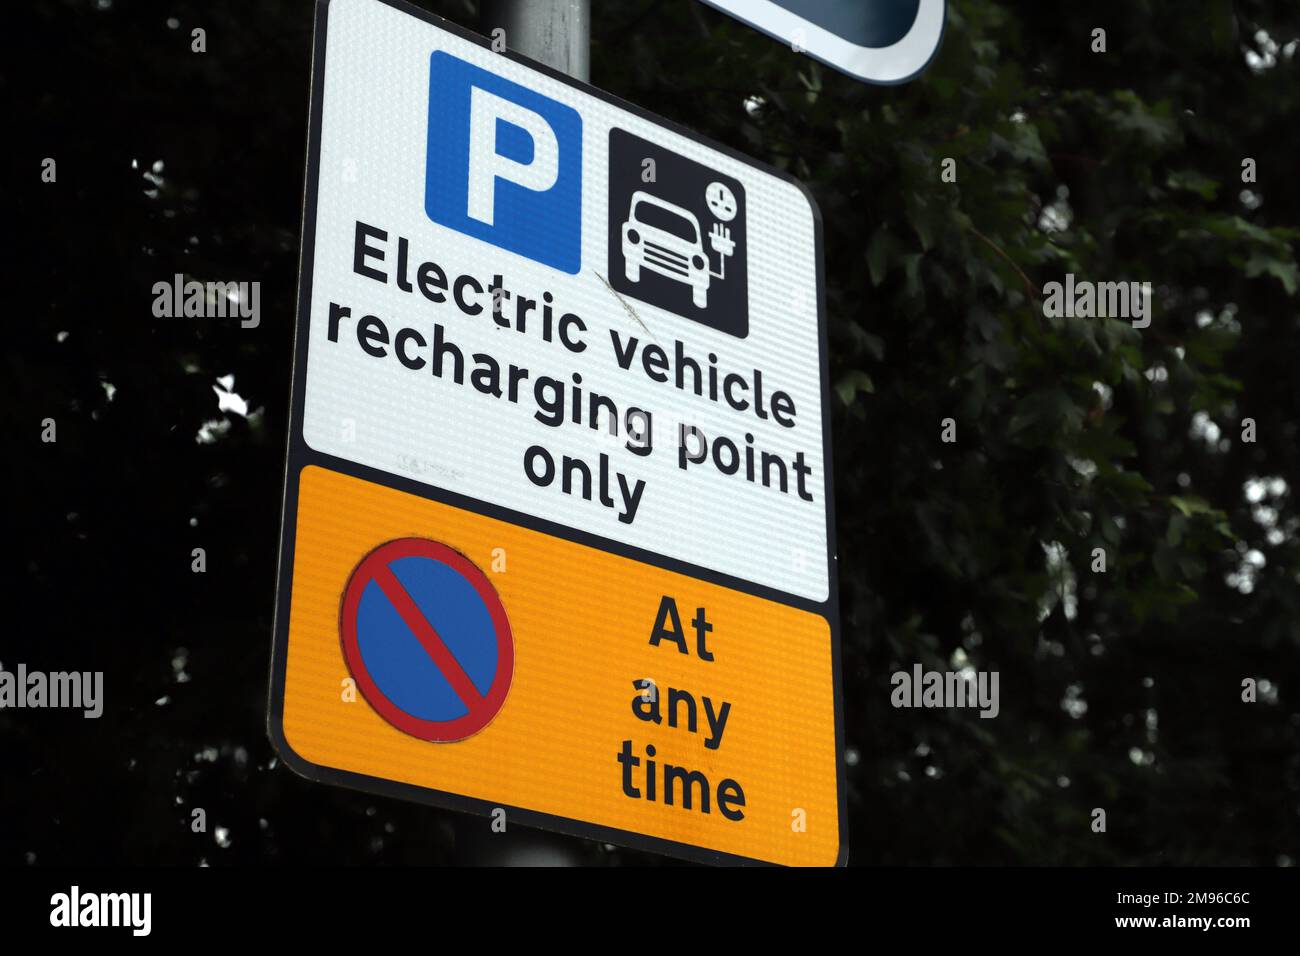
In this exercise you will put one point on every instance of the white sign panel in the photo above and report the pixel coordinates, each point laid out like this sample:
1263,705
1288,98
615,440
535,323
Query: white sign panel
526,294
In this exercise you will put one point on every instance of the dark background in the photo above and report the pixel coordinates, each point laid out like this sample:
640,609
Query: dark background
682,182
1119,690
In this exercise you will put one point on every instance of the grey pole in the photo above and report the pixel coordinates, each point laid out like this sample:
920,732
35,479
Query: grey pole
554,32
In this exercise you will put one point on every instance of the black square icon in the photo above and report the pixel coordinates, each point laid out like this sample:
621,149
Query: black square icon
677,234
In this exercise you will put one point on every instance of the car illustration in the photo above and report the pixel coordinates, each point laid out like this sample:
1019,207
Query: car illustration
665,238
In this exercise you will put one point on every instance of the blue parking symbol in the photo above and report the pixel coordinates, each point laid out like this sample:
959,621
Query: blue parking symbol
504,164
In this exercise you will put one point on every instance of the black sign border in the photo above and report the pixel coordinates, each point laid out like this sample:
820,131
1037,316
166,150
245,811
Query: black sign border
299,456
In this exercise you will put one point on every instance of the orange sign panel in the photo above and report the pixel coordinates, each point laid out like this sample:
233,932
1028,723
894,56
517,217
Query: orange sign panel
648,702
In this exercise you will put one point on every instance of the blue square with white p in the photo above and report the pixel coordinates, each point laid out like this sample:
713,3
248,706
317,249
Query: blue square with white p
504,163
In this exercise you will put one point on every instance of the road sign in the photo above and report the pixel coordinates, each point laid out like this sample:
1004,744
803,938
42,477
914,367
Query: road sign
558,518
427,640
879,41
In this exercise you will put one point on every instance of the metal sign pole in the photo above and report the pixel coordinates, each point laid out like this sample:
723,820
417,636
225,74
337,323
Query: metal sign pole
554,32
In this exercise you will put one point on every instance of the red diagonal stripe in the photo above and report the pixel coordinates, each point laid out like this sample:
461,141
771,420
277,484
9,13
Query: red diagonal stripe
428,638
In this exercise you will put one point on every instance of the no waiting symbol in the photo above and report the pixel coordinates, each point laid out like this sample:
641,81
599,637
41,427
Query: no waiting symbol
426,639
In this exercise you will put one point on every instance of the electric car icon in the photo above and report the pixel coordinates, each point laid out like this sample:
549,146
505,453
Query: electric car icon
665,238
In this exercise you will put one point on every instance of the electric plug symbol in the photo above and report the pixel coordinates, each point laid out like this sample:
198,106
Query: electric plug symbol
720,240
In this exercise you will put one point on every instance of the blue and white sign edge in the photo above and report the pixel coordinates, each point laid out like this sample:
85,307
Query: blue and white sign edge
885,66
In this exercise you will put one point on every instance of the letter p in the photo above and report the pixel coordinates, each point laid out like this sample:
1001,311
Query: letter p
487,163
503,163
